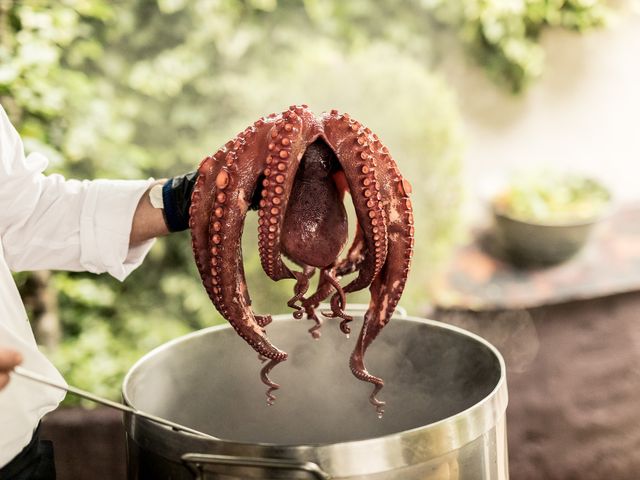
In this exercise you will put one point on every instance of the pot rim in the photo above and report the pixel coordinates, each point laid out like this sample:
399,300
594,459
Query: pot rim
411,446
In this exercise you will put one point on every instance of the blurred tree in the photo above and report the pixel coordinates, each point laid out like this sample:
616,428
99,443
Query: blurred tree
503,35
148,88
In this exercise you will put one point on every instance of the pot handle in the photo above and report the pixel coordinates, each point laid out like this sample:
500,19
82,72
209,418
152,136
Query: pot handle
201,463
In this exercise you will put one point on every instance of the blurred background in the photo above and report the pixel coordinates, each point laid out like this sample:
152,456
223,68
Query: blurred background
462,92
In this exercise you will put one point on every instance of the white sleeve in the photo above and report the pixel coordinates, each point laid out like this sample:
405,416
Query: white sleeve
47,222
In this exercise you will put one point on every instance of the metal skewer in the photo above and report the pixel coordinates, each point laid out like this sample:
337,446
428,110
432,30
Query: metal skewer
25,373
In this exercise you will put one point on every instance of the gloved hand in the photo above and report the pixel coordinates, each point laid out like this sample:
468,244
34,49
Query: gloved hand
176,197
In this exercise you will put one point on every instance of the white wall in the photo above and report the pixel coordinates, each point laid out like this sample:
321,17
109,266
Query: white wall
584,113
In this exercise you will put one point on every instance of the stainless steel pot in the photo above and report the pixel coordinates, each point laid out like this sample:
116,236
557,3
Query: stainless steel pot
445,389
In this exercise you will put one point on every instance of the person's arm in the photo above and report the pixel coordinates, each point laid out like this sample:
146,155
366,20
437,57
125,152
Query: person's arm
170,213
49,222
148,221
8,360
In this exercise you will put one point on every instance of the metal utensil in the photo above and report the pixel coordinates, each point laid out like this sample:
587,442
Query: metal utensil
25,373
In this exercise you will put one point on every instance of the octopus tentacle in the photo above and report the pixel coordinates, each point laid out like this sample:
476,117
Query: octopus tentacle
340,294
287,141
300,288
264,376
261,320
311,303
322,291
228,216
199,213
354,257
203,198
328,282
354,147
389,285
314,331
227,193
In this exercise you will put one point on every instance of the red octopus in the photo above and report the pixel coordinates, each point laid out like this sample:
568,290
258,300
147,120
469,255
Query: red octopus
295,168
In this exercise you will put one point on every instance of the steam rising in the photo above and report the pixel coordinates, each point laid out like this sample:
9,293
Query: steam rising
211,383
511,332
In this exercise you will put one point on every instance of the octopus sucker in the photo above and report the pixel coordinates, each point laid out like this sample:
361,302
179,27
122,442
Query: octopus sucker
295,168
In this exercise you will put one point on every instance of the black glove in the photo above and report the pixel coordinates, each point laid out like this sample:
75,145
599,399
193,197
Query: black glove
176,196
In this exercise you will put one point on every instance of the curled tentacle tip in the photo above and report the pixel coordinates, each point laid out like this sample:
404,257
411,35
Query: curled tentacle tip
379,404
298,314
271,398
344,327
315,332
268,382
264,375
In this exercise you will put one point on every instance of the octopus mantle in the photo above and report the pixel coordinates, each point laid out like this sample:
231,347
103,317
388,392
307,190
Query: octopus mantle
295,169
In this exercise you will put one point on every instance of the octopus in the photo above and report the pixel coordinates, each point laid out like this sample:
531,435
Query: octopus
295,168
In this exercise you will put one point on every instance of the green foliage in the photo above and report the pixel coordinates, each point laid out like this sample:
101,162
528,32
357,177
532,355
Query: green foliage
148,88
503,35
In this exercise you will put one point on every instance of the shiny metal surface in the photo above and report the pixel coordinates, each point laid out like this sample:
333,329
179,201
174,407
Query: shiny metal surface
445,390
25,373
203,464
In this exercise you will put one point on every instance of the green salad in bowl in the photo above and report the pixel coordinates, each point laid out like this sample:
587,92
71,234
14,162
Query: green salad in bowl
546,218
553,199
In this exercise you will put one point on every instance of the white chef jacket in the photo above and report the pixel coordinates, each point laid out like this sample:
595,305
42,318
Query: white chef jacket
47,222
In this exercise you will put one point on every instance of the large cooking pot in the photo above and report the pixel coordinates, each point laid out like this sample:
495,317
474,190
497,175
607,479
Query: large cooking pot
445,390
